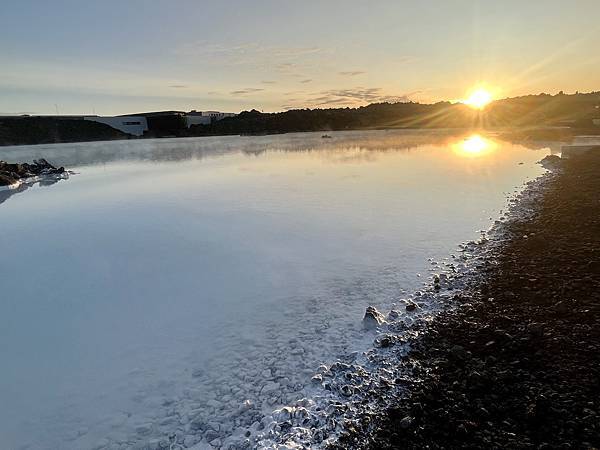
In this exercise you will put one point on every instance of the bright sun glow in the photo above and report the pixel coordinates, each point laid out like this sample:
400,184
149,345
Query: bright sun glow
474,146
479,98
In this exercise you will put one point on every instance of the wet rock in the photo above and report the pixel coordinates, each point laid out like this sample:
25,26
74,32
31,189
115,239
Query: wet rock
562,307
270,387
12,173
373,318
144,429
551,162
284,414
406,422
197,373
190,441
411,306
459,352
347,390
385,342
393,315
198,424
536,330
6,179
210,435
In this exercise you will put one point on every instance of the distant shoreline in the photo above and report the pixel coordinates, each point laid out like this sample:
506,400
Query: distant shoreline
520,134
531,117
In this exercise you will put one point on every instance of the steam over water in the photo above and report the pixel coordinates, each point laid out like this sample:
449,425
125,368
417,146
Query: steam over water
176,279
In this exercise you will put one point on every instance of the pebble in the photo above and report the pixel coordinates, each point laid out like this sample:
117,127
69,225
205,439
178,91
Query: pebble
270,387
143,429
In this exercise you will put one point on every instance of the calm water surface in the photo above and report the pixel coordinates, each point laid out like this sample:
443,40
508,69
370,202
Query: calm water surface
193,265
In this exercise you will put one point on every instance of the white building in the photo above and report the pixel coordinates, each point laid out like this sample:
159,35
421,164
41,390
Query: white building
205,117
194,118
135,125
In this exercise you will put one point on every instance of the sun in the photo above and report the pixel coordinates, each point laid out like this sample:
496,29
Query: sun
479,98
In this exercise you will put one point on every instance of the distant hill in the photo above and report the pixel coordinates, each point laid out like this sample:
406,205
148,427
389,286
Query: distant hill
576,110
50,130
544,109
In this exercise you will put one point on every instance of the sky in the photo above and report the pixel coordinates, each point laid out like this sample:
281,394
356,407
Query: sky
116,57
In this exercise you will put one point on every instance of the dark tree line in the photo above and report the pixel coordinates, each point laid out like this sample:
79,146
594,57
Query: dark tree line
532,110
575,111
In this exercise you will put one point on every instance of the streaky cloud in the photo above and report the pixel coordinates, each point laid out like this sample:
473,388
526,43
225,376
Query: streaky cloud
246,91
352,73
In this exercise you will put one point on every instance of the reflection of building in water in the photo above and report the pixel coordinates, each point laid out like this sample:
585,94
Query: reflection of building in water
581,144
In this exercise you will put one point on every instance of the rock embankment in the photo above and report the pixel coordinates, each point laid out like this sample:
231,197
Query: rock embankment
11,174
518,364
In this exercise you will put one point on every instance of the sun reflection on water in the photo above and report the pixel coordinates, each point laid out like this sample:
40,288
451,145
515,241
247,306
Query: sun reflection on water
474,146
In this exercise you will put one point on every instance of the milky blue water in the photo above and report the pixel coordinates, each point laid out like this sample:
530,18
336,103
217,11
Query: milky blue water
166,267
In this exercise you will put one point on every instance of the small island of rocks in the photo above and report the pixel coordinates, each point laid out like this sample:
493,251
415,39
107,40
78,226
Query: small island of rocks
12,175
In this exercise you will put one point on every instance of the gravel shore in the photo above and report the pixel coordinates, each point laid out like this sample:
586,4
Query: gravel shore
517,365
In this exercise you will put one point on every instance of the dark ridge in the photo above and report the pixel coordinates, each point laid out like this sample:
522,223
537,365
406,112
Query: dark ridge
51,130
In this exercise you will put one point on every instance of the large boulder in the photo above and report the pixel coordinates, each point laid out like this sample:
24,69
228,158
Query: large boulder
6,179
551,162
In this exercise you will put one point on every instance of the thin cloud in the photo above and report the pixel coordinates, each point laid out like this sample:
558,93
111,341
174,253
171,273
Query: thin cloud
178,86
352,73
331,101
246,91
285,67
356,96
268,82
308,80
252,53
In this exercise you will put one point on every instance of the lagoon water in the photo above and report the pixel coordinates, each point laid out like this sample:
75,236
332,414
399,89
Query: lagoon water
171,277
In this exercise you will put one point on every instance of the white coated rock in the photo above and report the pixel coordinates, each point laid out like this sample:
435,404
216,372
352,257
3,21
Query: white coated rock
373,318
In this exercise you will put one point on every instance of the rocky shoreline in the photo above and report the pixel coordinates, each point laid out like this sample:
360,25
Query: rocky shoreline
17,178
12,175
517,363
